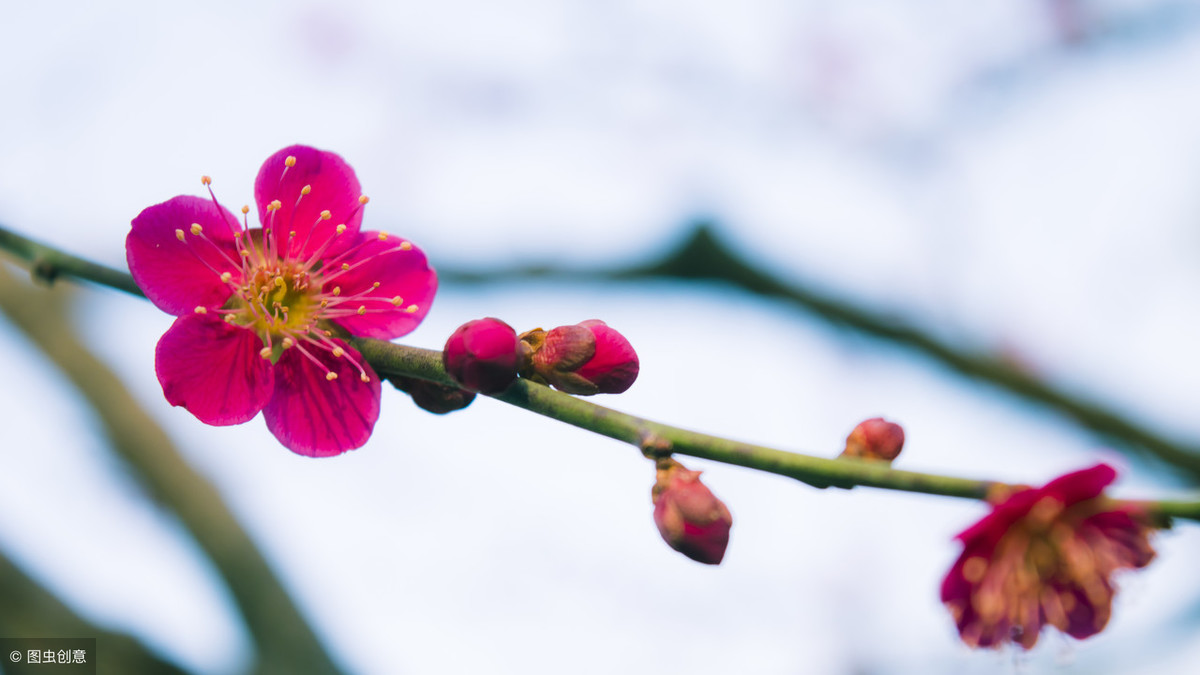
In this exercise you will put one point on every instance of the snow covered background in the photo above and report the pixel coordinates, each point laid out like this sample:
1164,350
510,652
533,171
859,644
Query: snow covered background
1021,175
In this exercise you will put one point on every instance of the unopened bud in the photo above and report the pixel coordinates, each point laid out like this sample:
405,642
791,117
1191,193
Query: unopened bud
875,438
436,398
587,358
483,355
689,517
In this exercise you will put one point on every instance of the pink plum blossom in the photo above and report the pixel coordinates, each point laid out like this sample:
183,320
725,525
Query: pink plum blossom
1045,556
263,312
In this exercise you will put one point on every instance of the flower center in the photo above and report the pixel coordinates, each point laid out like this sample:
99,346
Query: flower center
277,300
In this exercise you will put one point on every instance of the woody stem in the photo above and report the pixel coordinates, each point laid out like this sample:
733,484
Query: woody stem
393,359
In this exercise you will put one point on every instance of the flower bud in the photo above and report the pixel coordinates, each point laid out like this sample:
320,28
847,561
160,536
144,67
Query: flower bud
436,398
483,355
875,438
587,358
690,519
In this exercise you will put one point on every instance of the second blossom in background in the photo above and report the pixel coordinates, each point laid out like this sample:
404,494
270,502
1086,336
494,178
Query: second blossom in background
1045,556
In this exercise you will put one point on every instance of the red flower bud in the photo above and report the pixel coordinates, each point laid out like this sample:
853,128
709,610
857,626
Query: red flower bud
483,355
587,358
875,438
436,398
689,517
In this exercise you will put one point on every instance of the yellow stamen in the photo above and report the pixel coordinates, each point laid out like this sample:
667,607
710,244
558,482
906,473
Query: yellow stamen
305,190
289,161
331,376
341,228
362,309
338,351
265,352
363,199
180,235
405,246
201,309
326,215
225,277
383,236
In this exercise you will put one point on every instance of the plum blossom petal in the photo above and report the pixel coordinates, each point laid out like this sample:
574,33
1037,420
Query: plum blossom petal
179,270
213,369
320,417
333,187
406,288
1045,556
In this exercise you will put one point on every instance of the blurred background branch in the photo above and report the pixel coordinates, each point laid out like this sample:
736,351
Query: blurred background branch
30,611
284,640
703,256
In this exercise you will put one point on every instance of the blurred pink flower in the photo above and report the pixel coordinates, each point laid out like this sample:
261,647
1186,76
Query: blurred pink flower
1045,556
262,312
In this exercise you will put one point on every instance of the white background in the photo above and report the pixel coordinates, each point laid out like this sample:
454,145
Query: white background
1022,180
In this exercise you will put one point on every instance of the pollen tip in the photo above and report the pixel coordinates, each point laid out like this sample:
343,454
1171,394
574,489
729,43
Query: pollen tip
345,267
364,378
397,301
405,246
363,199
245,209
206,180
375,285
196,229
201,309
180,235
338,351
289,161
331,376
411,309
288,342
292,234
362,309
225,277
305,190
326,215
337,290
341,228
383,236
275,205
265,352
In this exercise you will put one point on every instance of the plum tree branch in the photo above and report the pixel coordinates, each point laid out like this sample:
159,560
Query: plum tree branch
393,359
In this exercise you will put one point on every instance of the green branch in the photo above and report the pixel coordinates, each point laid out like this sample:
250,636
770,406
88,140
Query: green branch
654,437
703,256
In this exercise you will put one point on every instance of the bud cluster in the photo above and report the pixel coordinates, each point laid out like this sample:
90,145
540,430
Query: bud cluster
487,356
